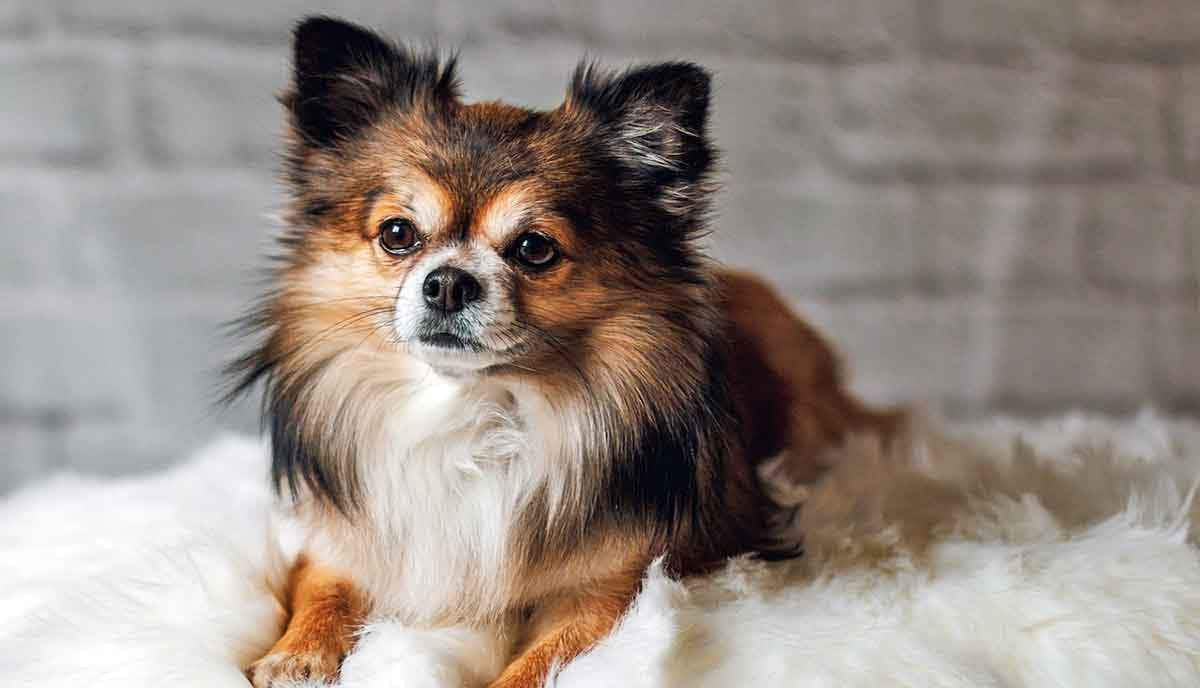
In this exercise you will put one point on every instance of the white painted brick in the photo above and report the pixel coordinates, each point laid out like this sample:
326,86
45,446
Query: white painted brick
517,74
26,452
1050,238
181,353
1114,28
1000,237
1139,236
118,448
904,350
474,25
85,359
135,387
186,395
254,21
199,235
17,17
52,108
37,251
783,28
958,119
1175,353
1061,354
205,104
776,28
820,235
770,120
1186,113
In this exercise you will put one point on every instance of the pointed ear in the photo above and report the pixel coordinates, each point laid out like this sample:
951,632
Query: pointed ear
655,122
344,76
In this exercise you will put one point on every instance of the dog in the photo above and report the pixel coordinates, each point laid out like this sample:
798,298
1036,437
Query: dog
500,378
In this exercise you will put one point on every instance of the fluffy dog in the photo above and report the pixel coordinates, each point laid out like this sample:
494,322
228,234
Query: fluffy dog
500,378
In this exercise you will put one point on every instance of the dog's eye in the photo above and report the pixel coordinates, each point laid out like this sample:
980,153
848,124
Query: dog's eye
535,250
398,236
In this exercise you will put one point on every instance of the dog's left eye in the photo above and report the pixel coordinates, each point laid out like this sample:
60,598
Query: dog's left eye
535,250
398,236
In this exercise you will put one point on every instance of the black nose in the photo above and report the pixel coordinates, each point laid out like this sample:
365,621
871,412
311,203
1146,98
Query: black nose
450,289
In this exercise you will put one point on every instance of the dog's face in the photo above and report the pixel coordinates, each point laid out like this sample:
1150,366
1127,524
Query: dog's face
486,237
475,228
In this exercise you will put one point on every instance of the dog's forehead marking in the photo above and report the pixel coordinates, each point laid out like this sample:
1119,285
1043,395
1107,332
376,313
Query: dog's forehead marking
505,213
431,206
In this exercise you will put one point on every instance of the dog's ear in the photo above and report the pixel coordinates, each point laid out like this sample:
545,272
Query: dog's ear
345,76
654,121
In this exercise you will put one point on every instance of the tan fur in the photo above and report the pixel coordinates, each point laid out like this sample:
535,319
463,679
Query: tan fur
325,610
505,214
568,625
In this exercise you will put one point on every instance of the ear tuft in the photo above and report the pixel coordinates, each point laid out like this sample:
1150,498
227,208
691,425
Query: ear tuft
680,88
655,118
345,75
324,46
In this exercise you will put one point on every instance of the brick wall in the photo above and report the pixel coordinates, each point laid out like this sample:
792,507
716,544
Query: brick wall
989,204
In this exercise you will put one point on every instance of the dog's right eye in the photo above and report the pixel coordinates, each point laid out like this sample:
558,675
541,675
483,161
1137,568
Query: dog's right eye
398,236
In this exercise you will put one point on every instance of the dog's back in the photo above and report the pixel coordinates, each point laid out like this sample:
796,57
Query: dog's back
789,383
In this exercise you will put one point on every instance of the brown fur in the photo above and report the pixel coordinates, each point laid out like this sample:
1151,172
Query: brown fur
325,609
568,625
789,382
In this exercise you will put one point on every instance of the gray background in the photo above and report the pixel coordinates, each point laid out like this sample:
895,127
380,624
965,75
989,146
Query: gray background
989,204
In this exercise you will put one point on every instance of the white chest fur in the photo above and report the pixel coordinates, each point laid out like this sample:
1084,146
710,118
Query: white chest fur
443,478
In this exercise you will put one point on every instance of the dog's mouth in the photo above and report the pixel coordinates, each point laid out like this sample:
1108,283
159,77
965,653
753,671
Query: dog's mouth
447,340
457,350
453,355
445,343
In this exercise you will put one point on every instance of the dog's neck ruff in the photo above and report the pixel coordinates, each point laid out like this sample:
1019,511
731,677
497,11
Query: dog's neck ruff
458,482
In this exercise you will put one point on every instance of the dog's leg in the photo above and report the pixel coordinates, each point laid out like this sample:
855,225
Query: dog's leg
325,611
563,629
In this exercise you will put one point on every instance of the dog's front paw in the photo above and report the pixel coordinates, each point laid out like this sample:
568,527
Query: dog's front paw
282,669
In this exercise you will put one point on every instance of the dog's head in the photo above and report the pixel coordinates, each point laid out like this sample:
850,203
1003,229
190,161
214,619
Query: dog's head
552,248
486,237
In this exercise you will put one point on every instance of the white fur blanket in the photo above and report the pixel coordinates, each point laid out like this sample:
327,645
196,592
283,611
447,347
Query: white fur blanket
1060,553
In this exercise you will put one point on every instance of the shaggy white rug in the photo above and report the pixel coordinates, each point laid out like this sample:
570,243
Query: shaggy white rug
1060,553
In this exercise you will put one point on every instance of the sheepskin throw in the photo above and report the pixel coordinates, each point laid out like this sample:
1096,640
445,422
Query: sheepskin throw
1004,553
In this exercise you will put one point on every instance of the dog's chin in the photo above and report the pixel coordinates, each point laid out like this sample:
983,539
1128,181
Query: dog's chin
453,356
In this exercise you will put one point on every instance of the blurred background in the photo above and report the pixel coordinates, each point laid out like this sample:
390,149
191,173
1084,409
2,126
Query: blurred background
989,205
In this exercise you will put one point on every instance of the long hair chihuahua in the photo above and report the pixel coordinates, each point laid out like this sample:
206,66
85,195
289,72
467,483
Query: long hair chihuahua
500,378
